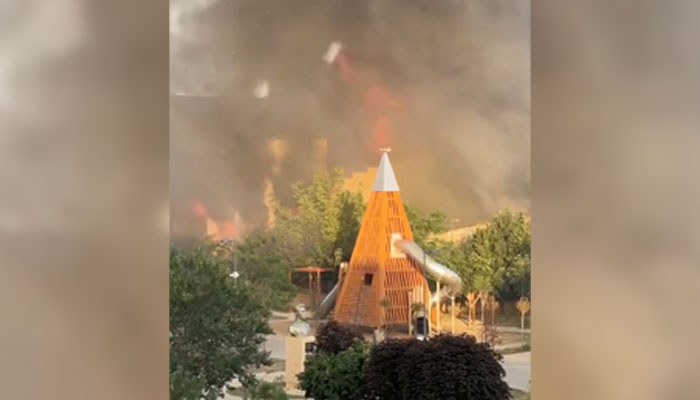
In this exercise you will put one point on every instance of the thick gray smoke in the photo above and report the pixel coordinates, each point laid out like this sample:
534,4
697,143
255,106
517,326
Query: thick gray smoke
246,71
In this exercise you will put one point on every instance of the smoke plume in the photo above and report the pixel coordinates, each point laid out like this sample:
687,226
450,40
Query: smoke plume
445,84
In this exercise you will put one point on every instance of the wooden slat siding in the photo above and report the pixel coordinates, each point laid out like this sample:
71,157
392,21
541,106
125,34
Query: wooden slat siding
393,278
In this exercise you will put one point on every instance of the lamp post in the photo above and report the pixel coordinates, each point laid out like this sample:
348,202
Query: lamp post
232,244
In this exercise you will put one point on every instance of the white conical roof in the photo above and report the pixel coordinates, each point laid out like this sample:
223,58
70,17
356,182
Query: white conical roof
385,181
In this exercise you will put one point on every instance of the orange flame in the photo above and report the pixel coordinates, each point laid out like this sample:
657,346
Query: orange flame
215,230
227,230
268,200
378,102
199,209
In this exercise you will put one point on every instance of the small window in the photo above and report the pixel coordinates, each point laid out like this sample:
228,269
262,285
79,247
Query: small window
368,279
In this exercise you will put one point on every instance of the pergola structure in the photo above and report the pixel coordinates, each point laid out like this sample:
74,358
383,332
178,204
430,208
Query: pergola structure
311,271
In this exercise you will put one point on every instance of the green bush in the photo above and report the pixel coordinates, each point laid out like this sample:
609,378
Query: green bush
335,376
444,367
332,338
267,391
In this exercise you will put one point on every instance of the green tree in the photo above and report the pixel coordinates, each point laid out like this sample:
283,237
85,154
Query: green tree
335,376
216,326
322,226
266,391
183,384
423,227
263,267
351,207
498,256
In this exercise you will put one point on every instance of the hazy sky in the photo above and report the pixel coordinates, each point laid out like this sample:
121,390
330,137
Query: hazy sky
445,84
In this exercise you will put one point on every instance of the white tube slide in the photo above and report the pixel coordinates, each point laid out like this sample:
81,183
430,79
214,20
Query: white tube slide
328,303
450,281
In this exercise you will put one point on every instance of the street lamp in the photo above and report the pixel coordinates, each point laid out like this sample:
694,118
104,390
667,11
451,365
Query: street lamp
232,244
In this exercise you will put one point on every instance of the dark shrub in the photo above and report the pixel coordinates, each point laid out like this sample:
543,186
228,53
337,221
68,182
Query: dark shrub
332,338
335,376
445,367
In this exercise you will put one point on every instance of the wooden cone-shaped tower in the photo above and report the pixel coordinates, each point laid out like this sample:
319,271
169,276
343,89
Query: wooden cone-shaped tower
381,283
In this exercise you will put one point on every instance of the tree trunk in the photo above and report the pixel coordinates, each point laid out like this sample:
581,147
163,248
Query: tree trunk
482,297
472,298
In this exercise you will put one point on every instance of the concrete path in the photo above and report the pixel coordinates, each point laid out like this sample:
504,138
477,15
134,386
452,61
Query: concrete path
517,368
511,329
276,346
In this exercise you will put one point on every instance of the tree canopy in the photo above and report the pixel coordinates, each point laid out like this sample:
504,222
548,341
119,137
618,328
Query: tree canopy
217,326
264,268
497,257
423,227
335,376
322,226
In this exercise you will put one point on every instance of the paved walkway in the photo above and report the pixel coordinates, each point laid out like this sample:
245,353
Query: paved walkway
517,368
512,329
276,346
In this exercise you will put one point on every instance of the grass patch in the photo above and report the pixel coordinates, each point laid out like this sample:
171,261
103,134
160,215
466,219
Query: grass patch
520,394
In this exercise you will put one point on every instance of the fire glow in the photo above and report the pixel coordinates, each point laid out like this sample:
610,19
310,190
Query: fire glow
214,229
379,103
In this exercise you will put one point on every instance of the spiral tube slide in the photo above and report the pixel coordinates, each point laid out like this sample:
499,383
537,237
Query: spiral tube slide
449,280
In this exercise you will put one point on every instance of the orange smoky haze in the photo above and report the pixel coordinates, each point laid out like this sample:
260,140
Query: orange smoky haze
199,209
377,102
277,148
444,84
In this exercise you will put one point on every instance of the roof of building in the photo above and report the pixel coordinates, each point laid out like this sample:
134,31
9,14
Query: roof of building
385,181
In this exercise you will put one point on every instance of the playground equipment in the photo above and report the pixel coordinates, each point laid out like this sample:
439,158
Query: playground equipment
387,272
